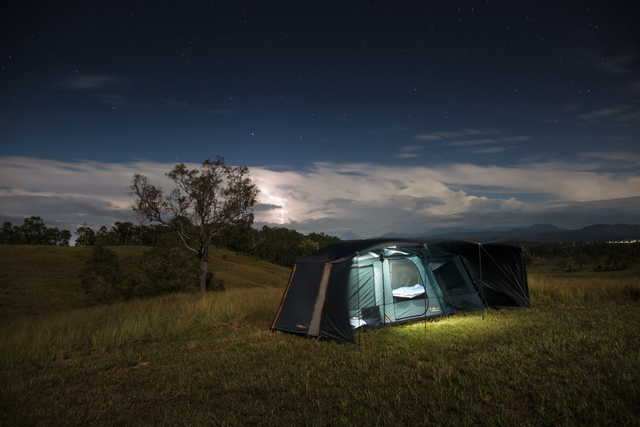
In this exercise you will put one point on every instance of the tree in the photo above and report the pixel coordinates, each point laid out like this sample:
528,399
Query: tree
101,277
86,236
17,236
562,264
205,204
104,236
34,230
124,231
6,233
581,261
65,236
169,267
142,220
52,236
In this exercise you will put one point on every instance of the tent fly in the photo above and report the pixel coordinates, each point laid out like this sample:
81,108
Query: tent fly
369,284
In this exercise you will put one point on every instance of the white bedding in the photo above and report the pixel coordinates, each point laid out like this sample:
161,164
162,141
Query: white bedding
356,323
409,291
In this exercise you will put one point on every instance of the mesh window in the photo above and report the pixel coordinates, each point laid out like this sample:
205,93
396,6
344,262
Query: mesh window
449,276
404,274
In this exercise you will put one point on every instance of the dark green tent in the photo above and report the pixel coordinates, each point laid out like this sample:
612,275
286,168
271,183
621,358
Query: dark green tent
374,283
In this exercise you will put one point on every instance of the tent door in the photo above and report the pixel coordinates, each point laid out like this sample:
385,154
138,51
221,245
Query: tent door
365,300
404,275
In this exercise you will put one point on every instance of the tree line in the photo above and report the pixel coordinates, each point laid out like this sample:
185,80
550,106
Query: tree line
121,234
277,245
598,256
33,231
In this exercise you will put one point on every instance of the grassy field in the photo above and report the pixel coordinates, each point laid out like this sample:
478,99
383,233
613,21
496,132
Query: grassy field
574,359
40,280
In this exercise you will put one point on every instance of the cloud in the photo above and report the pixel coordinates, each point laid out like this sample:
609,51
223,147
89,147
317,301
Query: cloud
484,141
368,199
613,160
469,139
262,207
607,61
220,111
70,193
624,115
91,82
465,133
408,152
389,130
489,150
620,68
104,87
376,199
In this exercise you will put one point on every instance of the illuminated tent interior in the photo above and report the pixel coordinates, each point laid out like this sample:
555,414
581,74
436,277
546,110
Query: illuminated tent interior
369,284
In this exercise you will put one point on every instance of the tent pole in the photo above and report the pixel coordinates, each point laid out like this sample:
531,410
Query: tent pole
358,284
384,295
426,295
484,304
524,275
441,302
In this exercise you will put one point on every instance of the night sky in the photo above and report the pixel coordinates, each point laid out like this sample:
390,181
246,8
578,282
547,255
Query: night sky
366,117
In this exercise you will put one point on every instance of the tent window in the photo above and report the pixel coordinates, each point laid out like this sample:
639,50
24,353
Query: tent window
449,277
404,274
406,277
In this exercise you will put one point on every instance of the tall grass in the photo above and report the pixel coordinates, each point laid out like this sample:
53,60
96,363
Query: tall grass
103,328
545,290
571,360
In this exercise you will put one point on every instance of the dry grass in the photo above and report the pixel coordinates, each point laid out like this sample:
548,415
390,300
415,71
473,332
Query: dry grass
210,360
104,328
40,279
570,366
546,290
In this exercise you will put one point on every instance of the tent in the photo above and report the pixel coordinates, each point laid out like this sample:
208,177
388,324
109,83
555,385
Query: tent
368,284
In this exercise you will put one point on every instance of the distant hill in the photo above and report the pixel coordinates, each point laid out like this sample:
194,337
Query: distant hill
460,232
549,233
545,228
536,232
350,236
596,233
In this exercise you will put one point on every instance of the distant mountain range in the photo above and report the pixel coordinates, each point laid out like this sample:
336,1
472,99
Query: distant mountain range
536,233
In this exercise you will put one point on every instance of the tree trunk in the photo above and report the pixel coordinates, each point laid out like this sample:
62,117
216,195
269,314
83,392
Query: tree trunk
203,273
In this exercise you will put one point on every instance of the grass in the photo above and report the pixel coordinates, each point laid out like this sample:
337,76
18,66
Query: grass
109,327
41,280
211,360
571,292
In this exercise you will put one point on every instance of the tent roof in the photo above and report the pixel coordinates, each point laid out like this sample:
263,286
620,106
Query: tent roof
343,251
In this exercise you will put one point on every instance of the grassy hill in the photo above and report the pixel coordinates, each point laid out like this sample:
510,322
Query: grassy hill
44,279
211,360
